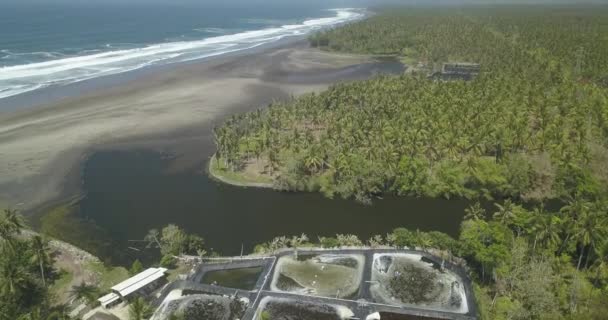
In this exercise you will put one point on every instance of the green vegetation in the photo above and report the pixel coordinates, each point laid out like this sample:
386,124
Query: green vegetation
139,309
26,273
62,283
29,283
108,276
532,264
220,171
532,126
136,268
85,292
173,241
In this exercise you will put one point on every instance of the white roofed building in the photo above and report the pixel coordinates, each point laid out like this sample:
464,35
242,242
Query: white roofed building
140,284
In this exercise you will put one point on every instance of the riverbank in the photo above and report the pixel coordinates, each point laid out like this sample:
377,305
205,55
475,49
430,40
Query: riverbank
218,171
171,111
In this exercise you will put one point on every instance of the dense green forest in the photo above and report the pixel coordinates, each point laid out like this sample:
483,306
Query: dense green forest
532,127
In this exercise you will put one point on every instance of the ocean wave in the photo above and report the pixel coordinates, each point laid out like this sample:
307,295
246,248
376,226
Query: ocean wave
8,54
212,30
18,79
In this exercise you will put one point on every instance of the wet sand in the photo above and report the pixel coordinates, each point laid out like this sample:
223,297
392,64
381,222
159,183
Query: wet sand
171,110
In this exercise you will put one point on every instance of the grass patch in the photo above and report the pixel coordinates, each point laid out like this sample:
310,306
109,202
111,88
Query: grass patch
173,274
408,60
218,170
107,276
62,283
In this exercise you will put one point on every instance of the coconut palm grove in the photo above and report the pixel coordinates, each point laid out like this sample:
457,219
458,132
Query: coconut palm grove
529,133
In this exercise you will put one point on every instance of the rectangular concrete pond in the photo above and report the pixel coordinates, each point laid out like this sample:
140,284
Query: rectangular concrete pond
326,275
241,278
411,280
292,309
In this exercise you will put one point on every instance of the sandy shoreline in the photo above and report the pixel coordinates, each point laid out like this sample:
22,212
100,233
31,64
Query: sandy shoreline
173,110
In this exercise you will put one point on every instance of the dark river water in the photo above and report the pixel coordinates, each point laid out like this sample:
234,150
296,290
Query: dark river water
130,192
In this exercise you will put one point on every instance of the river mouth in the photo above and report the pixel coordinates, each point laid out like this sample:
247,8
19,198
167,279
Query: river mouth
128,192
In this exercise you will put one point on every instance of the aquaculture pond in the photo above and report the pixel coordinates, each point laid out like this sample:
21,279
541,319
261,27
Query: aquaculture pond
273,308
130,192
325,275
242,278
203,306
410,280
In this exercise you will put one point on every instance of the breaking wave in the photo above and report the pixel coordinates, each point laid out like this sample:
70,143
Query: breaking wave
22,78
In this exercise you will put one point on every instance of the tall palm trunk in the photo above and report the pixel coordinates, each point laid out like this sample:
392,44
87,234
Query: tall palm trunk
42,272
580,259
561,248
587,257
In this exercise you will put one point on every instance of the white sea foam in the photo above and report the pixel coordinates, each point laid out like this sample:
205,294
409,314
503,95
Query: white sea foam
23,78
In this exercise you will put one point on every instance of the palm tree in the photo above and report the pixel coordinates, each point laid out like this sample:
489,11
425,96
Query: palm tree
585,233
549,231
475,212
11,224
14,219
152,238
84,292
601,264
14,280
296,242
505,211
35,314
576,207
424,241
139,309
41,255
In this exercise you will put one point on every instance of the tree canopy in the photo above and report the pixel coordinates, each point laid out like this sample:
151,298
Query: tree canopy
532,125
26,272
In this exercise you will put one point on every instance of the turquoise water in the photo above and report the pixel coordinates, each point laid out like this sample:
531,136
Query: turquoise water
43,45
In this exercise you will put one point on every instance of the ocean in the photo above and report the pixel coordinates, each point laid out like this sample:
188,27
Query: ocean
46,45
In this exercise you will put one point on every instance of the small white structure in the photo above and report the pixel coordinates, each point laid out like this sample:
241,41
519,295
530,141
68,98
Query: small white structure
109,300
140,283
373,316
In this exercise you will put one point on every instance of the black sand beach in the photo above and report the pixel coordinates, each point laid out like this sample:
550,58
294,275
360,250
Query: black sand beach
170,109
